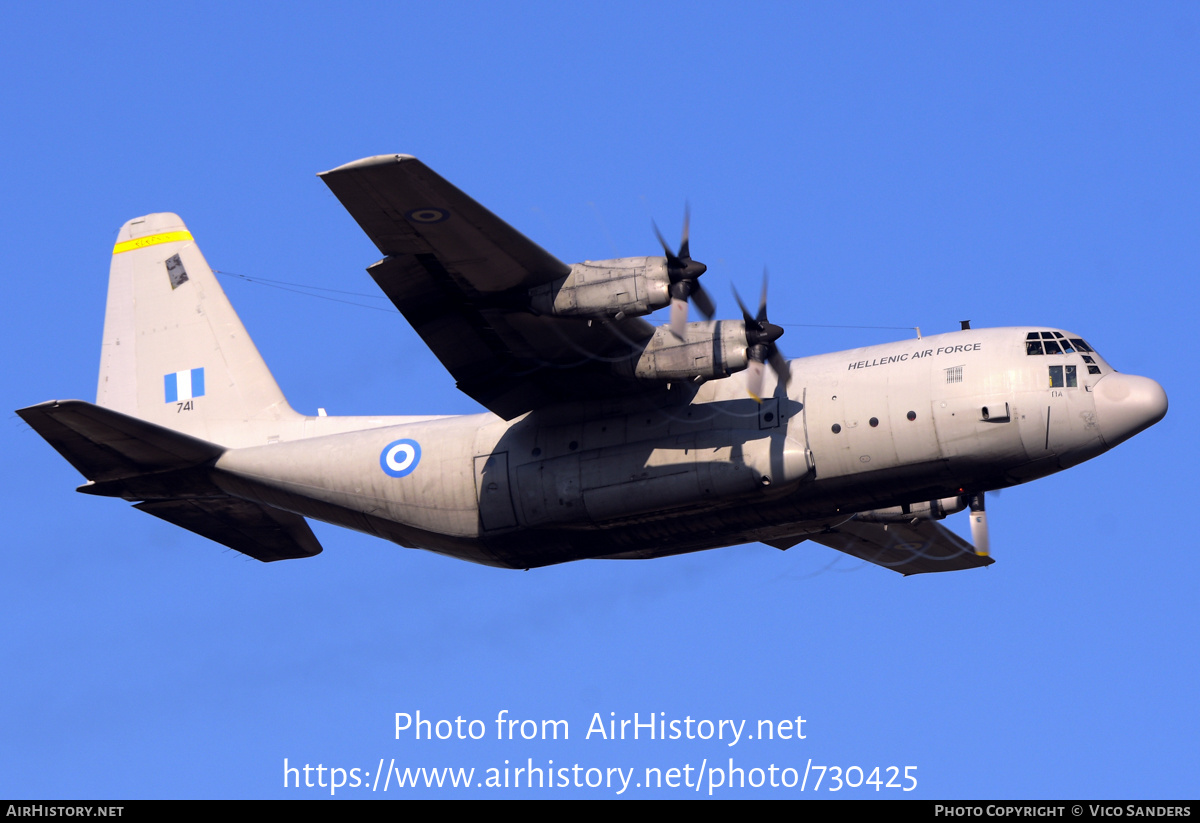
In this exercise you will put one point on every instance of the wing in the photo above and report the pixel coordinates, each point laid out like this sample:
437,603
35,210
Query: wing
461,276
927,546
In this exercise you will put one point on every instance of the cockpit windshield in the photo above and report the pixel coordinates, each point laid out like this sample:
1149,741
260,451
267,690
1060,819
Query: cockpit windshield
1055,342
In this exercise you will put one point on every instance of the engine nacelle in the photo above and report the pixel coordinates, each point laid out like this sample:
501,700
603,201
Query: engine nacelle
627,286
925,510
710,349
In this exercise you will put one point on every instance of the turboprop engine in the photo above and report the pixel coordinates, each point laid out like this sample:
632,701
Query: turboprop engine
630,287
625,287
707,350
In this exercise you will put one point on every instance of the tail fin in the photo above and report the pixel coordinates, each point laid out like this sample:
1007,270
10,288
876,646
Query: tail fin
174,351
180,380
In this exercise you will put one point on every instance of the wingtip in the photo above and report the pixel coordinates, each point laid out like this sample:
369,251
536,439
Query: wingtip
368,162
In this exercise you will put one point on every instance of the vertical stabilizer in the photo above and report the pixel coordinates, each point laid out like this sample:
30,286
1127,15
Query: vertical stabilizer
174,351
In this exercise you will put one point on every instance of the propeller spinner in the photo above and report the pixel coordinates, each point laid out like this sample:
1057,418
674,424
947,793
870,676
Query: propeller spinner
684,273
761,335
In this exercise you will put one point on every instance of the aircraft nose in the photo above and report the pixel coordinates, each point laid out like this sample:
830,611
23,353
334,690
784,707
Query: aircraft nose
1126,404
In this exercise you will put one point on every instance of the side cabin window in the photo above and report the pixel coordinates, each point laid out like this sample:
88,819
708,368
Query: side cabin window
1061,376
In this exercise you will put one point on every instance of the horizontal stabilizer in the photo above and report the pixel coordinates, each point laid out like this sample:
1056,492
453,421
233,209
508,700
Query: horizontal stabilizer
263,532
106,445
130,458
927,546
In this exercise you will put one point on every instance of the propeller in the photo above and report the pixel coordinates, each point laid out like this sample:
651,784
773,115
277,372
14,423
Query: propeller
761,335
684,271
979,526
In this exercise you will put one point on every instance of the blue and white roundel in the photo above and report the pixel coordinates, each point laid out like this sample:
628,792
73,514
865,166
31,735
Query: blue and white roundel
400,458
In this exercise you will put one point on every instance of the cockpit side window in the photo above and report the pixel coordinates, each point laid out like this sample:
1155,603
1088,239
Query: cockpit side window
1061,376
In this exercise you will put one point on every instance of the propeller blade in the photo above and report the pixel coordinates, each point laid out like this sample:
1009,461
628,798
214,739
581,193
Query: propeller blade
754,379
672,260
780,365
703,302
679,315
687,221
750,321
979,526
684,272
761,335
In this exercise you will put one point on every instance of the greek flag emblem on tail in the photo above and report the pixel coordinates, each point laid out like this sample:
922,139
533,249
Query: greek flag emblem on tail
184,385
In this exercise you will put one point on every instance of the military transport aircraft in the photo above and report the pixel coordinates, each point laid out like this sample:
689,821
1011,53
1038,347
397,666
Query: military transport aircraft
604,436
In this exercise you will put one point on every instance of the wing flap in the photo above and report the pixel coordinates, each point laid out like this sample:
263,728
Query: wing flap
908,549
453,328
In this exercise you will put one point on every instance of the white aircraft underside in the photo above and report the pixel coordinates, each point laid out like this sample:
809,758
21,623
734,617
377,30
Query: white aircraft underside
606,437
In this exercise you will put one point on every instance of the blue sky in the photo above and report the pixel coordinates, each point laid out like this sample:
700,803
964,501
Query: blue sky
894,165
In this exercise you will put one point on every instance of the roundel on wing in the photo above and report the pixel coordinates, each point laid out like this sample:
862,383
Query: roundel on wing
427,215
400,457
